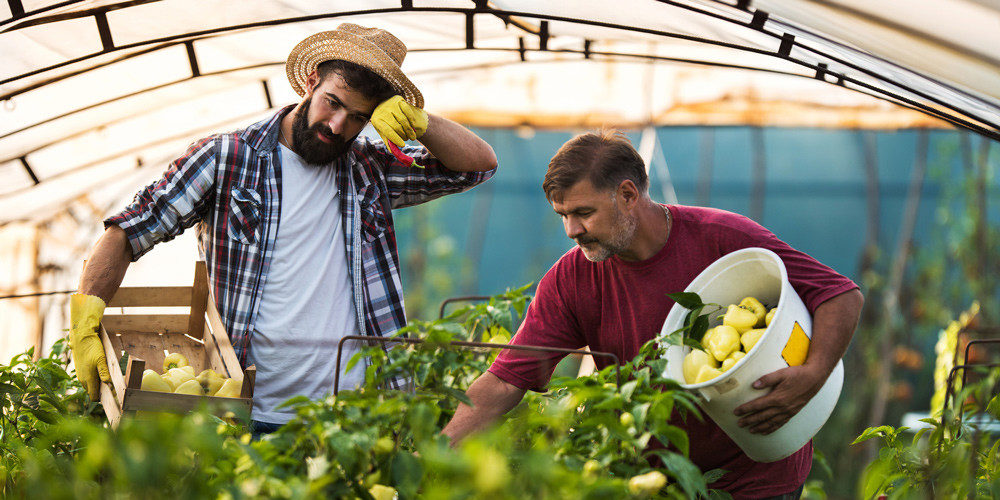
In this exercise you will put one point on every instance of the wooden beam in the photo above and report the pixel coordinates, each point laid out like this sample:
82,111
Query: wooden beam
150,323
151,296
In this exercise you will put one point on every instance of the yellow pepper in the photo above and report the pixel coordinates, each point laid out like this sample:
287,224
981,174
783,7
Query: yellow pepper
740,318
758,309
724,340
693,363
707,373
751,337
732,360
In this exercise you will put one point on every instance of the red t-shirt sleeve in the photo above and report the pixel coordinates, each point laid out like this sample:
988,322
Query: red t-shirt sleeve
814,282
549,322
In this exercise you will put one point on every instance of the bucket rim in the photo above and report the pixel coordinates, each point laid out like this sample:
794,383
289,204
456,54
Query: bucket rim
724,261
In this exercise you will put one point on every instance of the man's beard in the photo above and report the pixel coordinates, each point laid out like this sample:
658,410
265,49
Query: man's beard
619,240
310,148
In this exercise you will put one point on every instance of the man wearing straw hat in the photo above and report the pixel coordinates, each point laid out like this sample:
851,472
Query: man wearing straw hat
610,292
294,217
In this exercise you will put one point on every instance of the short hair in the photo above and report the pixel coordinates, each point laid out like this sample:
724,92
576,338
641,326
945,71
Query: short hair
358,77
606,158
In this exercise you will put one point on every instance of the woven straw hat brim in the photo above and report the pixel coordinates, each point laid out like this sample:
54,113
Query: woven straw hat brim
321,47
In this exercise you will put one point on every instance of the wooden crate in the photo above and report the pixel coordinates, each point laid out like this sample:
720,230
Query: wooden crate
198,335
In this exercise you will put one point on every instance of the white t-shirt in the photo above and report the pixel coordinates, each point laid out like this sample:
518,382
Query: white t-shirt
307,303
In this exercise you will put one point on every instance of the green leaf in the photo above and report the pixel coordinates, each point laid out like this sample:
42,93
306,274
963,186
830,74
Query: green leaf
406,472
295,400
993,408
820,459
48,417
713,475
675,436
692,343
628,388
358,356
687,300
720,495
686,473
123,362
871,432
457,394
698,328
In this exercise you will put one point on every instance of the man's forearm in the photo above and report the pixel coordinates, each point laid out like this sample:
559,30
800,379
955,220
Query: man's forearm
834,323
105,269
457,147
491,398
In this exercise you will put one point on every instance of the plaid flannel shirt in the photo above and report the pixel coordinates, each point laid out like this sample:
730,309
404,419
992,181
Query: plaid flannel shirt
230,186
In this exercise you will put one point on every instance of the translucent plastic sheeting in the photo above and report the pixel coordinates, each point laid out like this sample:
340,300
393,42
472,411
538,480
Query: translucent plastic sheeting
90,89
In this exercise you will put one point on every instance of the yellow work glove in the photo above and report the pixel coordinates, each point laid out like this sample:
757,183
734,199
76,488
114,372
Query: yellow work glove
397,121
85,312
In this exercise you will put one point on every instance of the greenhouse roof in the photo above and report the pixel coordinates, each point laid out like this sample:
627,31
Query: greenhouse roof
93,89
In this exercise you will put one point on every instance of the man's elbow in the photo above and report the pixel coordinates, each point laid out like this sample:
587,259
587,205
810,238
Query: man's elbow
489,160
858,298
119,239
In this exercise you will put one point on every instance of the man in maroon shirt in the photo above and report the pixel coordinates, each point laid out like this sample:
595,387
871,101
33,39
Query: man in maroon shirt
610,291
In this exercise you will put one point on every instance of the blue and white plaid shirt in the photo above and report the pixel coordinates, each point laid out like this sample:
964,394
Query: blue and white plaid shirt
230,185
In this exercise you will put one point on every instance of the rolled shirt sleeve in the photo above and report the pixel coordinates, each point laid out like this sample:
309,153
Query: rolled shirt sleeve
410,185
180,198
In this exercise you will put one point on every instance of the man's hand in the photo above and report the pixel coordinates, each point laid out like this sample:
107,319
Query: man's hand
491,398
791,389
85,312
397,121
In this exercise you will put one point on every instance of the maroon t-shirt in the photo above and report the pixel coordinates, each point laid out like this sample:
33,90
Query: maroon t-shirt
617,306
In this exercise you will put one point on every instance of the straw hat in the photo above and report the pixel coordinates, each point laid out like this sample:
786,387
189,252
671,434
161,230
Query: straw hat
373,48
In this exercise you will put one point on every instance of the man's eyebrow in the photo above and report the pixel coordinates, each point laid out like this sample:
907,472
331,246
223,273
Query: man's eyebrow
577,210
341,104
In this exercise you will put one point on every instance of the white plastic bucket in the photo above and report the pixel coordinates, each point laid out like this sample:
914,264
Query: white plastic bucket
754,272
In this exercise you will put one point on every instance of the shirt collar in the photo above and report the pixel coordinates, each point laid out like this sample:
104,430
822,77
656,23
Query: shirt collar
264,135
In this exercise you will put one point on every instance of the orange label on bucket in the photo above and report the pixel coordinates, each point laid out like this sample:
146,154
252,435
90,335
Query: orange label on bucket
797,347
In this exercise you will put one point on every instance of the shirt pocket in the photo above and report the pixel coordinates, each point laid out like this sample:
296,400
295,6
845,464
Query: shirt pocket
373,219
244,215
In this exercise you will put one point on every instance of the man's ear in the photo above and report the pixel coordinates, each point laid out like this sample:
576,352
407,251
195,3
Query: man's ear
628,193
312,81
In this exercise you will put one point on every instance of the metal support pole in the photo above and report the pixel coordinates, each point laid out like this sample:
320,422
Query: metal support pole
461,344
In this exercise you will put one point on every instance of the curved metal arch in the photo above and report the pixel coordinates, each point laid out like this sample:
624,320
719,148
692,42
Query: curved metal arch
488,65
76,14
15,16
132,94
136,149
819,67
796,43
611,56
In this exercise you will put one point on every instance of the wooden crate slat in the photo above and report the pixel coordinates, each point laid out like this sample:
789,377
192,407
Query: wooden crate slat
151,296
150,323
193,350
136,399
111,355
112,408
222,338
133,374
199,301
249,379
213,354
147,346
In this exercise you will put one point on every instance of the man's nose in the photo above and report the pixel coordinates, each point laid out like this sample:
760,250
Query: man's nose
573,228
337,121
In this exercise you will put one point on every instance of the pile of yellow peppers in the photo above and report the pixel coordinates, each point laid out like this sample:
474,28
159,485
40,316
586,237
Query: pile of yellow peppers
742,327
178,377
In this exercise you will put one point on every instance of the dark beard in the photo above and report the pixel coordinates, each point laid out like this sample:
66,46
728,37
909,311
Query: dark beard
309,147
